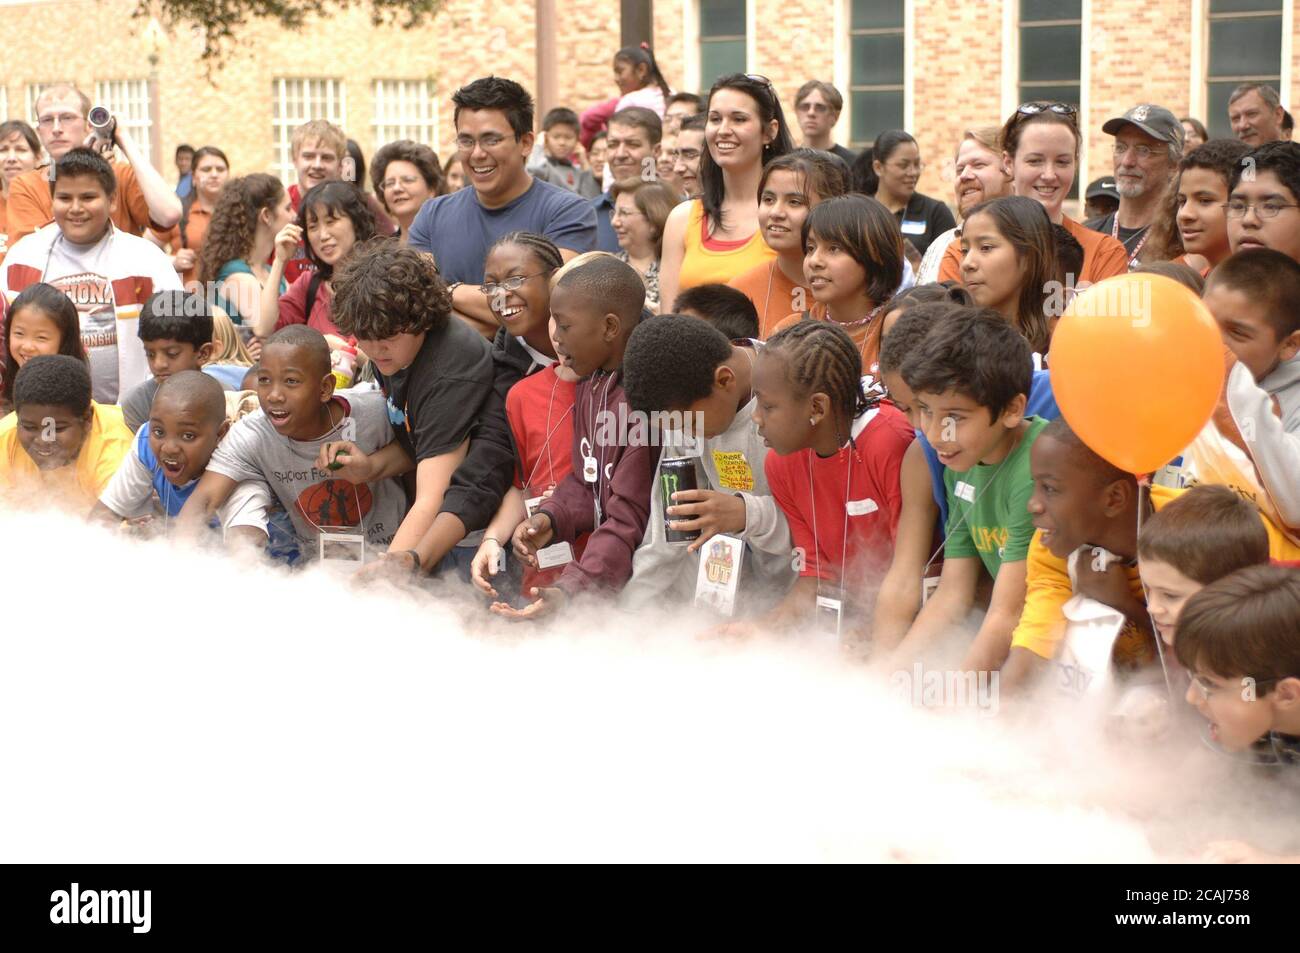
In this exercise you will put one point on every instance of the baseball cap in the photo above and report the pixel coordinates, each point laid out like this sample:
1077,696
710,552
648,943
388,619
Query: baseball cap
1105,186
1155,121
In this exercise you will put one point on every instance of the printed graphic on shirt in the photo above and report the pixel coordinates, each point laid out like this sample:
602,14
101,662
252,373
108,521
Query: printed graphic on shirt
990,539
733,470
335,503
93,296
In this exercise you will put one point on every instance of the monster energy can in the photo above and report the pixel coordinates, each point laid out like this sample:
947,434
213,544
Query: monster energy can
674,476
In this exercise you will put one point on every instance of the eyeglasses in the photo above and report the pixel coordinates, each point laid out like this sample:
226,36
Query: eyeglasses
1143,152
487,142
514,283
1270,209
63,119
1038,106
406,180
1207,690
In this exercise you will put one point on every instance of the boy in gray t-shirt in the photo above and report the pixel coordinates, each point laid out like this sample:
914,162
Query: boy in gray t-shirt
280,445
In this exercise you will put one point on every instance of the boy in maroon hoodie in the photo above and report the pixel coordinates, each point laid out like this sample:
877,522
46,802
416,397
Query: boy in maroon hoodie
595,307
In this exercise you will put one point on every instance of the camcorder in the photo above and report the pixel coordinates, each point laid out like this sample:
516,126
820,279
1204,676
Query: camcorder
102,124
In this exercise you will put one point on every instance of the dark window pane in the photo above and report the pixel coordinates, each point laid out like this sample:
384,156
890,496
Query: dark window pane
876,14
1050,10
873,113
877,60
722,18
1050,94
719,58
1245,47
1244,6
1049,53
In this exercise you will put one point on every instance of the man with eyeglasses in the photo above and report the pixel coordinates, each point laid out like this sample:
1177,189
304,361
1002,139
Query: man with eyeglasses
1148,144
1263,208
494,138
817,106
687,152
142,199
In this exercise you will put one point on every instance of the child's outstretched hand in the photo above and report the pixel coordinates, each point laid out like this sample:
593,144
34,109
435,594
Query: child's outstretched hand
531,535
548,602
709,511
389,567
488,561
343,460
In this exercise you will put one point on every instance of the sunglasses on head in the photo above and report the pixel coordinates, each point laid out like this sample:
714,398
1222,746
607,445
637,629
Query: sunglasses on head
1039,106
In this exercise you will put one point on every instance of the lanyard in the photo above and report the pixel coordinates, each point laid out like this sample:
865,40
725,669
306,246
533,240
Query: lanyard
550,431
812,495
1133,259
595,418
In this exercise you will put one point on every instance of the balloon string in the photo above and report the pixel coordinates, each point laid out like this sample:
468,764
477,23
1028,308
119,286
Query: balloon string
1144,497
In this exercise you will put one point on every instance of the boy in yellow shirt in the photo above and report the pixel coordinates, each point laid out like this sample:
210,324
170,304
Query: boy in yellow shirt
1081,502
58,442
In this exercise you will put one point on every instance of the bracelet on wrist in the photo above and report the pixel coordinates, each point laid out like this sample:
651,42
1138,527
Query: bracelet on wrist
416,566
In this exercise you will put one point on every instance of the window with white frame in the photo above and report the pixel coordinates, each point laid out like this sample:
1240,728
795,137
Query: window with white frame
876,58
294,102
128,101
406,109
4,101
1245,46
723,38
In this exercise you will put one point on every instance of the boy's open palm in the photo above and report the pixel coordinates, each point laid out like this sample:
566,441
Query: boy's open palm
548,601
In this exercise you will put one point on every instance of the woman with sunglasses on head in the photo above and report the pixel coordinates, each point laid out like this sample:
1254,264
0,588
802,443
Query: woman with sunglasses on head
1040,150
716,237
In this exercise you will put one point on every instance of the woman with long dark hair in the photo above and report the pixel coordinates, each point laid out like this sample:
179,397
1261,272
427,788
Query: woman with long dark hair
716,237
896,168
334,218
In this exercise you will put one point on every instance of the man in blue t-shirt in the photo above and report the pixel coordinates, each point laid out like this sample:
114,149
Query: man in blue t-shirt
494,137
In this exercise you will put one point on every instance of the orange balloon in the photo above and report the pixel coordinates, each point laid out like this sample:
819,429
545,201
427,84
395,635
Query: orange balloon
1137,368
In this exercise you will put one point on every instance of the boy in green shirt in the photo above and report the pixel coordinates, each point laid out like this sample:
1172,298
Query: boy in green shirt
970,381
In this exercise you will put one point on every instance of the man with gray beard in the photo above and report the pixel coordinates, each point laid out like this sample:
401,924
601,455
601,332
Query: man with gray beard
1148,145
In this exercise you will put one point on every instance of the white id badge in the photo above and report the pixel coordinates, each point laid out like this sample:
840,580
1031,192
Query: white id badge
928,585
964,491
590,469
912,227
530,505
861,507
554,555
341,545
830,612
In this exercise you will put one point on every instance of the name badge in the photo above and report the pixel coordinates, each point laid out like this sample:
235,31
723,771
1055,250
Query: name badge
861,507
340,544
555,555
913,228
928,585
719,574
964,491
590,469
830,612
531,504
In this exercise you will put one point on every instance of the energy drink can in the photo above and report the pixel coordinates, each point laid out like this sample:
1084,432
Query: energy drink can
674,476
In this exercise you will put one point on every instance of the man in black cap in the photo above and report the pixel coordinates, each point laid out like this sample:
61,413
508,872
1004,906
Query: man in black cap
1101,199
1148,145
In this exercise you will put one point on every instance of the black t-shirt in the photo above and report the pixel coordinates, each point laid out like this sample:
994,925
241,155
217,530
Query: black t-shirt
848,155
923,219
1130,237
434,402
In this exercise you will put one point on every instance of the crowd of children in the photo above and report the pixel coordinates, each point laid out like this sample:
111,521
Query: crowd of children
803,440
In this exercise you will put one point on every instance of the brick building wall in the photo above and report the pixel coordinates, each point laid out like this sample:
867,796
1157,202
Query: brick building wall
961,53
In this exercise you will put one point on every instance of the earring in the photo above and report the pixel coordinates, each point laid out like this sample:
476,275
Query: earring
812,422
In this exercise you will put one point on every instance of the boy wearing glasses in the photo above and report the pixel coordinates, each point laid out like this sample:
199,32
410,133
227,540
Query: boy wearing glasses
494,138
1264,200
1148,145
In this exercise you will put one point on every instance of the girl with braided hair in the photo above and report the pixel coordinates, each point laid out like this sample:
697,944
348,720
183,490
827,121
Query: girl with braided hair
834,467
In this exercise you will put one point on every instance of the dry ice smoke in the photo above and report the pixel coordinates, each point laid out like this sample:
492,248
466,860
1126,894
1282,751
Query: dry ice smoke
169,706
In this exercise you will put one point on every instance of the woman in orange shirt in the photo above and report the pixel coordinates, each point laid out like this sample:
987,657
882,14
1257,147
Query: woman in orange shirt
715,238
791,186
1040,147
211,171
853,264
20,150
